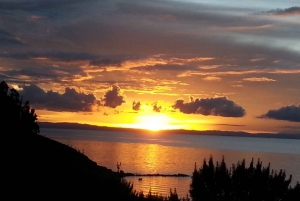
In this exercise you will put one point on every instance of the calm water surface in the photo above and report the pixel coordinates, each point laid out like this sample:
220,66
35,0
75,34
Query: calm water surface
145,153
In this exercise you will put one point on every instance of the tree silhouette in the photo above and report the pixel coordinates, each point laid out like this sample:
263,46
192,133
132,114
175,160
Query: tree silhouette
241,183
16,116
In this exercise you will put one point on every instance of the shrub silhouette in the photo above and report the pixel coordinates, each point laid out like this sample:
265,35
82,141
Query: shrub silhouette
16,116
253,183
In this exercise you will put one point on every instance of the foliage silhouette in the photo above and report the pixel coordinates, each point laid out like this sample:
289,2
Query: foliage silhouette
16,116
241,183
139,196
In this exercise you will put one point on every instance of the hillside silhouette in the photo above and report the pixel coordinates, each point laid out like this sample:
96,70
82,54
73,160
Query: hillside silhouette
37,167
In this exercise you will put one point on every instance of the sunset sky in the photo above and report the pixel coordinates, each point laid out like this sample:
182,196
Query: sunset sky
156,64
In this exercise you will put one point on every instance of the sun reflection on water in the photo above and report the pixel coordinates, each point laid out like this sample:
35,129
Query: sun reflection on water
152,152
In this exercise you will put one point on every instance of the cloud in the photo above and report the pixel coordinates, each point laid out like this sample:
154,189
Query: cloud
114,60
93,60
70,100
7,38
212,78
105,61
287,113
35,5
156,108
136,105
113,97
167,67
259,79
42,74
233,125
52,55
220,106
189,73
250,28
181,61
209,67
295,10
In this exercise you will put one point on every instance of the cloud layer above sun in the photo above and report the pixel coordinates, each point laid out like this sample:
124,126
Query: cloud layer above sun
236,58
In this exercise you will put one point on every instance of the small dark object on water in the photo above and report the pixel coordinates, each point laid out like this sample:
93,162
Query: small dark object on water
140,179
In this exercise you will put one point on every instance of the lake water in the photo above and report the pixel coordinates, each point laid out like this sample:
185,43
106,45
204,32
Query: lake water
150,152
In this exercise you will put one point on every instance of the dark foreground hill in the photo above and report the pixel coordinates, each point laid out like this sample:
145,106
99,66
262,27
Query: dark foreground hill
40,168
37,168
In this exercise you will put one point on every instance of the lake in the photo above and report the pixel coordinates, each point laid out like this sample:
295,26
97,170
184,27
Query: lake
151,153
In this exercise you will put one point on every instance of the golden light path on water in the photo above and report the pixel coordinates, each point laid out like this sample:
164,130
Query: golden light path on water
151,158
161,185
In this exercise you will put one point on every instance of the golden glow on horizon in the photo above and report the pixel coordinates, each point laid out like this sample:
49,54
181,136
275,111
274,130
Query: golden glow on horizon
154,122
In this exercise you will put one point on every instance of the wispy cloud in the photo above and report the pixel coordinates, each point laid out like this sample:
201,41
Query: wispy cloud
70,56
7,38
211,78
245,72
181,61
209,67
250,28
259,79
232,125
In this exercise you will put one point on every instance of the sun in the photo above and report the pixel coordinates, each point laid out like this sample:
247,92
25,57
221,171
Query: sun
154,122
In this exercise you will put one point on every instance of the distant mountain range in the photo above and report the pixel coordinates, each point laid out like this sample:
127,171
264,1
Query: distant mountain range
77,126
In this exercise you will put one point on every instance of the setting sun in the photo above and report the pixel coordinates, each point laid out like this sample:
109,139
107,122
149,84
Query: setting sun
154,122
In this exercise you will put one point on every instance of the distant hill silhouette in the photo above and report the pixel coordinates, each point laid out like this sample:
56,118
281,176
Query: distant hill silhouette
67,125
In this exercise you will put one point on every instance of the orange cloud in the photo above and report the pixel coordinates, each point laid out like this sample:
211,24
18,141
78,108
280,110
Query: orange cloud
192,73
209,67
259,79
212,78
180,61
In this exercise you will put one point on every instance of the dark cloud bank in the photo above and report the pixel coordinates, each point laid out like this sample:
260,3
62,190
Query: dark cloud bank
287,113
113,97
156,108
220,106
288,11
136,105
70,100
93,59
7,38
